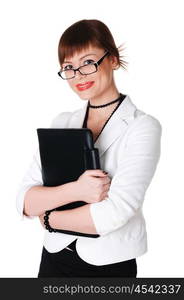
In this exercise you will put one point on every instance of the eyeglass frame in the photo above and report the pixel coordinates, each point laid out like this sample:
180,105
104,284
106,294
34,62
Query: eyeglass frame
96,64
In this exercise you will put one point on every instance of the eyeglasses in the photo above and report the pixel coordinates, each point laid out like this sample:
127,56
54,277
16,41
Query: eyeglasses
84,70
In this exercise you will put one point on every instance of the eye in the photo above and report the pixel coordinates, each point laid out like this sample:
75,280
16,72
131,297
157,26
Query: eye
68,67
88,62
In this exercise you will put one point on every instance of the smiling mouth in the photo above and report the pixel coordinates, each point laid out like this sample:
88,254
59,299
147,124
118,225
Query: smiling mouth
86,85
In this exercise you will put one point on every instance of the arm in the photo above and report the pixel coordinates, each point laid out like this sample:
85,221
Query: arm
80,216
136,167
33,198
38,199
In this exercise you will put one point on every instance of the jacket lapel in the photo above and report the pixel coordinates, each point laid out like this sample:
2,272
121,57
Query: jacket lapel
115,127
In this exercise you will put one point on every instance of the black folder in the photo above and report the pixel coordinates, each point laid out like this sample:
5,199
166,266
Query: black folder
65,153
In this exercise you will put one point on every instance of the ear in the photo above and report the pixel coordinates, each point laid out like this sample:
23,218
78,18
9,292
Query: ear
114,62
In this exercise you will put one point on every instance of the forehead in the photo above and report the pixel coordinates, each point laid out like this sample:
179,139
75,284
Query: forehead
90,50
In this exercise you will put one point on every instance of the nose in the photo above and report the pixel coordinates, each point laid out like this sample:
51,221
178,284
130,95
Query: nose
78,75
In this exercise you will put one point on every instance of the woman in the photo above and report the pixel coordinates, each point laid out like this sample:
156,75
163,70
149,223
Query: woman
128,140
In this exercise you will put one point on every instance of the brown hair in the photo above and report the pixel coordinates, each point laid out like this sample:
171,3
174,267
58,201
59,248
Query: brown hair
84,33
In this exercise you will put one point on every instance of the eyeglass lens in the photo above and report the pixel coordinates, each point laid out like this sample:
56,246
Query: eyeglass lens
85,70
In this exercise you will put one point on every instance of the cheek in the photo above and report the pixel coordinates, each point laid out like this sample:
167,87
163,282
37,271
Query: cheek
104,77
72,85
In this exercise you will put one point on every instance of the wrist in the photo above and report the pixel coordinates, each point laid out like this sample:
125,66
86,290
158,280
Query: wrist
73,191
48,221
52,219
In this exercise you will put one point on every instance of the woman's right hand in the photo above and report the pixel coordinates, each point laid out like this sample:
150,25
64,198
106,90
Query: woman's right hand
92,186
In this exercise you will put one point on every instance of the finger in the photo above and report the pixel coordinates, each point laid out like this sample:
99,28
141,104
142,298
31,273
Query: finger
106,187
96,172
104,195
106,180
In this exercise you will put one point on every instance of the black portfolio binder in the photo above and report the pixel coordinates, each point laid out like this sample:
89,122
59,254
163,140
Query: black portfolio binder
65,153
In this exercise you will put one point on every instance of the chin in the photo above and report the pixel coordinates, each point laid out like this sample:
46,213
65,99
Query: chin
82,96
85,95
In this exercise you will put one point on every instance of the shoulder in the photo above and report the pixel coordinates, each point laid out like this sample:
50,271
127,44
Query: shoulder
63,118
139,123
144,129
142,119
135,117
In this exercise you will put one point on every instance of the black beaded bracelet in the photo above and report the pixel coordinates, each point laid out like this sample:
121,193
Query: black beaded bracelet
46,222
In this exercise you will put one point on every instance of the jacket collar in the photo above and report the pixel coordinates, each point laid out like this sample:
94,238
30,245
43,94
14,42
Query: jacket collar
115,127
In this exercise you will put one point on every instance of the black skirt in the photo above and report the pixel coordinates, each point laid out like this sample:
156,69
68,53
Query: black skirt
67,263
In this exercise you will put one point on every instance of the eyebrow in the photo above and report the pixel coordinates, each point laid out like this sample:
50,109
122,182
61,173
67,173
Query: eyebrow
81,57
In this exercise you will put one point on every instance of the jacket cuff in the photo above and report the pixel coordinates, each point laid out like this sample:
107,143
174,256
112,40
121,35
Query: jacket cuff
104,217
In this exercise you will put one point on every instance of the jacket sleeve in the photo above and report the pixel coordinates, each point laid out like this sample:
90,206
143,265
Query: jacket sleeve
33,176
136,167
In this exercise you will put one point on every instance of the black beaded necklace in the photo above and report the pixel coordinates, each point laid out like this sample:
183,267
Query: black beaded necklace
119,99
104,105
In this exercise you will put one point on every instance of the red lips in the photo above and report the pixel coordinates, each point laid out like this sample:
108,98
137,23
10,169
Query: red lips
84,86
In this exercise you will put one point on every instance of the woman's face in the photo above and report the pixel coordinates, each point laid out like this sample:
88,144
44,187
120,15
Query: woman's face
93,85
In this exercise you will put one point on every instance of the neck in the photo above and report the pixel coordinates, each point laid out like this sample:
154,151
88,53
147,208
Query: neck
105,97
101,114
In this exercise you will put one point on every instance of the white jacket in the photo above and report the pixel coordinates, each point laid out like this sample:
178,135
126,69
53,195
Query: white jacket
129,148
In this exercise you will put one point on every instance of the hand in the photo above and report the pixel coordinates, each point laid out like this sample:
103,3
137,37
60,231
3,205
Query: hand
92,186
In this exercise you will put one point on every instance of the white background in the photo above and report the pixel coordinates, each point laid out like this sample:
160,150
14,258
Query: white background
32,94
